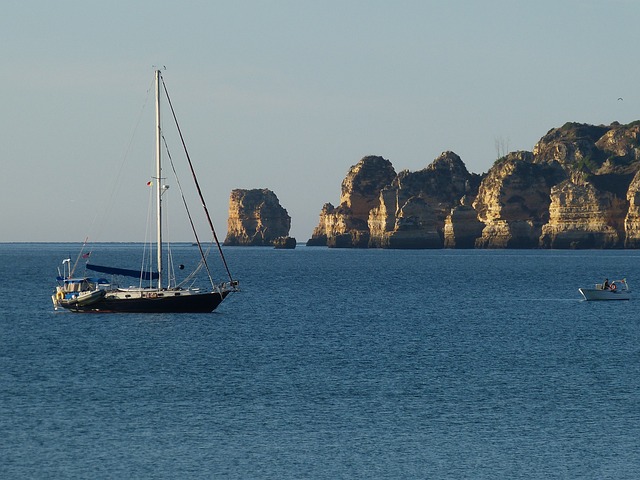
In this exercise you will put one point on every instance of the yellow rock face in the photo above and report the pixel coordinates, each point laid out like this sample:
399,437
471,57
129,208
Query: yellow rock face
255,218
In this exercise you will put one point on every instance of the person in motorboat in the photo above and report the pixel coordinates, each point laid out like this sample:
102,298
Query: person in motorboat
615,290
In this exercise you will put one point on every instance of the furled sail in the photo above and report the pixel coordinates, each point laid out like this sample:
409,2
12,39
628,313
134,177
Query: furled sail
123,271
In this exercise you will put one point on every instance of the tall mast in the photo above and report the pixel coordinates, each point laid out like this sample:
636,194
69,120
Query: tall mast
158,180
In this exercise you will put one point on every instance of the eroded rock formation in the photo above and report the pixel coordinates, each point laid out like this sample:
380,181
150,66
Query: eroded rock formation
513,201
595,206
285,243
632,220
411,212
578,188
462,227
256,218
346,225
581,216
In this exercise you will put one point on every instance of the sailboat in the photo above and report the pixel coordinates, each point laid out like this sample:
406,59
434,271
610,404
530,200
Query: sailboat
96,294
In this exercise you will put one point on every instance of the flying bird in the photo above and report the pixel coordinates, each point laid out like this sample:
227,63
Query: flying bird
619,98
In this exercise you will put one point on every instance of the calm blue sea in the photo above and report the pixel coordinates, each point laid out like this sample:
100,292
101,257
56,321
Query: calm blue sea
376,364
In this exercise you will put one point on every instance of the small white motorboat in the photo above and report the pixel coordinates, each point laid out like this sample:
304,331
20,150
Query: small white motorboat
617,290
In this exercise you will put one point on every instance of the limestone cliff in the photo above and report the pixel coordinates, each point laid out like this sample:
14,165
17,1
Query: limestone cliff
585,205
346,225
462,227
595,206
572,145
256,218
578,188
513,201
598,150
411,212
581,216
632,220
620,145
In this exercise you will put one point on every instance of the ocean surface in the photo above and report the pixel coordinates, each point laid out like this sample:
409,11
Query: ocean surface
430,364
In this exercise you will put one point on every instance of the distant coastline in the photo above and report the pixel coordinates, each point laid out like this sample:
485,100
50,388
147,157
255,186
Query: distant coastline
578,189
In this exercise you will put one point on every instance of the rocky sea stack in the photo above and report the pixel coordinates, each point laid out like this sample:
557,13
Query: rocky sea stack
284,243
256,218
578,188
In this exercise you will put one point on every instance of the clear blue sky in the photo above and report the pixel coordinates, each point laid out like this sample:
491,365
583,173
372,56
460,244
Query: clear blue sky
287,95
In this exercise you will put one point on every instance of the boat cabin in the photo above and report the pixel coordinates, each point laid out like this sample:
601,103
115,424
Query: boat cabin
77,285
